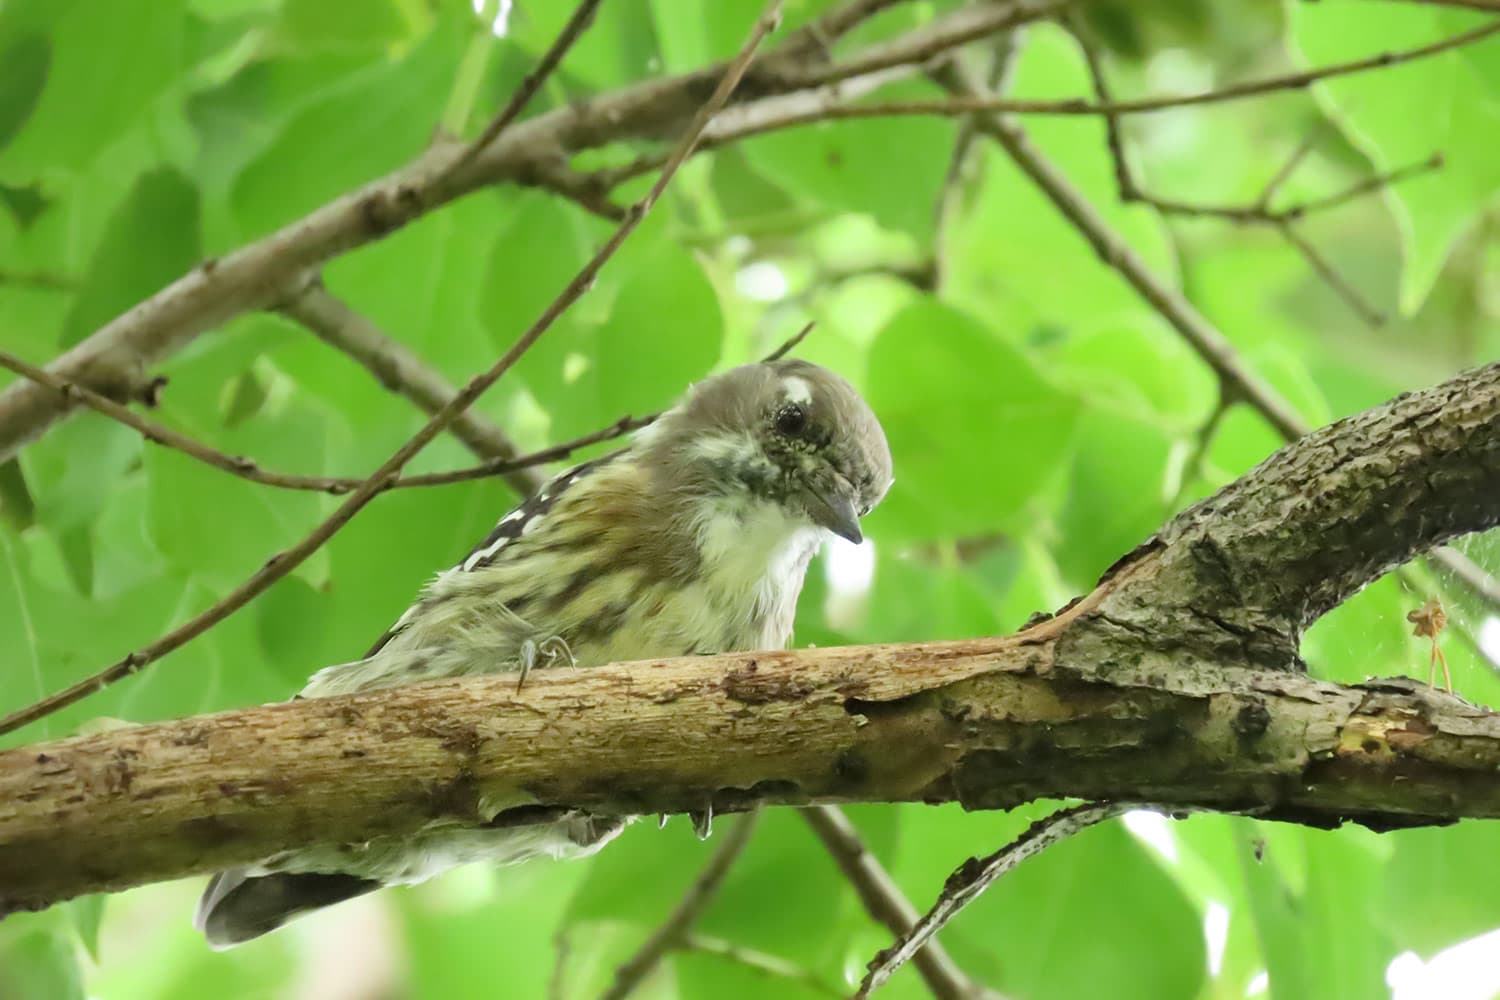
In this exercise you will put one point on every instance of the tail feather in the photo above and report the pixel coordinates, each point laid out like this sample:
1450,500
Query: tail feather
237,907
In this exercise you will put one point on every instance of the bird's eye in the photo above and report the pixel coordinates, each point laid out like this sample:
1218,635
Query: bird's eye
791,420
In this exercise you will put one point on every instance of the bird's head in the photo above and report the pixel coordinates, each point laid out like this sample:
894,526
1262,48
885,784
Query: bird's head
784,432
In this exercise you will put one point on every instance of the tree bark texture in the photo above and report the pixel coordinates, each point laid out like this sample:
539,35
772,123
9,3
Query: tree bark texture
1164,684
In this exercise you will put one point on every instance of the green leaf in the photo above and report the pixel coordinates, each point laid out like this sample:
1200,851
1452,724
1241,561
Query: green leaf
1441,886
1403,114
830,163
949,391
40,963
109,62
26,60
375,122
1063,937
1006,240
1144,369
151,240
1117,495
1323,939
319,23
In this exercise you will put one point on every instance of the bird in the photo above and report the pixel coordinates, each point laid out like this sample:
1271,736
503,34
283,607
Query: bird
693,538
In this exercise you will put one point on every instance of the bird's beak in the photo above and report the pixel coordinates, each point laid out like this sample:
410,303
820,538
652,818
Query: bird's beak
834,509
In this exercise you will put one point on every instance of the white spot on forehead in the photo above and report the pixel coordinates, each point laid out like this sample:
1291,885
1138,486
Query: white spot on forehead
796,389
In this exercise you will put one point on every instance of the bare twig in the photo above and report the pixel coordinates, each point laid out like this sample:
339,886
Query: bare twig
1116,253
583,16
790,344
1198,332
671,934
156,433
1002,60
886,903
831,103
978,874
399,369
1469,573
1331,277
45,280
283,562
1290,165
1259,212
260,274
250,470
773,966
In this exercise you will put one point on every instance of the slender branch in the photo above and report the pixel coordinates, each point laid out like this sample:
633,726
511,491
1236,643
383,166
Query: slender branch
1116,253
1331,277
1473,576
685,915
401,371
884,901
45,280
814,106
978,874
1198,332
237,465
398,370
583,16
1002,61
1289,166
286,560
1259,212
773,966
113,359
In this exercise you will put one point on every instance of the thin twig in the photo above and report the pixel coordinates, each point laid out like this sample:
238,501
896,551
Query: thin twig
1200,335
1259,212
828,105
251,471
978,874
766,964
791,343
1289,166
1002,61
1119,255
885,902
283,562
1469,573
689,909
1331,277
399,369
583,16
261,273
45,280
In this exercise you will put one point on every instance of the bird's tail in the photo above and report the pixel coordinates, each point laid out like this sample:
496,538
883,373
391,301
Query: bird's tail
237,906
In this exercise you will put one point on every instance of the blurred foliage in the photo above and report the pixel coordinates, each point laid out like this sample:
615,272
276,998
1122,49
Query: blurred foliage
1044,420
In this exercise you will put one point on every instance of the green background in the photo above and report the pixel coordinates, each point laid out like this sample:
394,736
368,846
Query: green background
1043,420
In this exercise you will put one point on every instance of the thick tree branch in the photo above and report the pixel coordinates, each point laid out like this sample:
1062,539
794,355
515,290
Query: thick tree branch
399,369
1114,698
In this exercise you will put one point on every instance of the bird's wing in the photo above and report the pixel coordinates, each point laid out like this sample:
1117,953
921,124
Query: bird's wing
492,549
